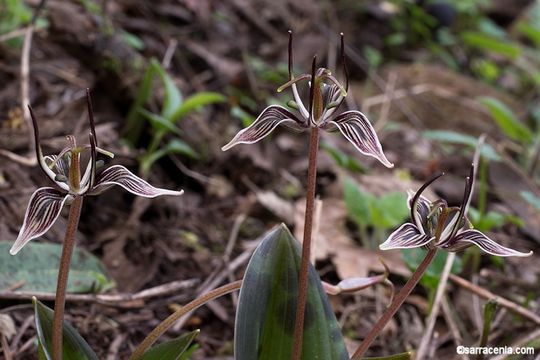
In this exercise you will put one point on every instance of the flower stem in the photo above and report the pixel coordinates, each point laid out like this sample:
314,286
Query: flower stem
306,244
168,322
396,304
63,273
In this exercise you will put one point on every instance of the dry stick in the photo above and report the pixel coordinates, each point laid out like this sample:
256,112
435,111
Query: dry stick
454,329
421,352
168,322
63,274
486,294
396,304
522,341
126,300
306,244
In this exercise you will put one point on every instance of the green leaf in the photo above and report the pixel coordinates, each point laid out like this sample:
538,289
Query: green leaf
430,279
159,123
453,137
489,314
178,146
491,44
172,349
357,202
36,268
195,102
74,347
267,305
343,160
506,120
531,32
390,210
173,97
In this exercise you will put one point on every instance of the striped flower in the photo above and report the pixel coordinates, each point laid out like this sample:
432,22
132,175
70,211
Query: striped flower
325,96
434,224
64,171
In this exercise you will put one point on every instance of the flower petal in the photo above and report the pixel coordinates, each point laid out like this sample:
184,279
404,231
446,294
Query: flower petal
267,121
417,203
43,210
358,130
119,175
474,237
407,236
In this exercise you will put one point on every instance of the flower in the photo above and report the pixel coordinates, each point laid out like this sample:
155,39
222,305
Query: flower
64,171
434,224
325,96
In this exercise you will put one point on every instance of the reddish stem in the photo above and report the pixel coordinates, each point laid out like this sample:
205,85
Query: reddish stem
396,304
63,274
306,244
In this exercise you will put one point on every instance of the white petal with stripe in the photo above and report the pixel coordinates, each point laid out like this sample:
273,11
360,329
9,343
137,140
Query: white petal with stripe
407,236
474,237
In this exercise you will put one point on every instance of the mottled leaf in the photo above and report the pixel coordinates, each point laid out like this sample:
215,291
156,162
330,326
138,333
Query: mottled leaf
35,269
74,347
172,349
267,306
42,211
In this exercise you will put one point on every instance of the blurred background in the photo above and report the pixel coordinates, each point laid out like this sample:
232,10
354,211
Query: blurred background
174,80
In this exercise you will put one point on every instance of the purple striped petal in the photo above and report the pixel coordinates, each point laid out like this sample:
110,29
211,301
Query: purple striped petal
358,130
407,236
474,237
119,175
43,210
267,121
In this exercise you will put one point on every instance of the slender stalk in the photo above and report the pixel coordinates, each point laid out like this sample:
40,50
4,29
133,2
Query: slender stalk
396,304
168,322
306,244
63,274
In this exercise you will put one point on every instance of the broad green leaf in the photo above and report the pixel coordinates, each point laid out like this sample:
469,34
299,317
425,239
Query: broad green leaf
453,137
506,120
36,268
343,160
430,279
390,210
173,97
74,347
195,102
491,44
159,123
267,305
357,202
134,124
172,349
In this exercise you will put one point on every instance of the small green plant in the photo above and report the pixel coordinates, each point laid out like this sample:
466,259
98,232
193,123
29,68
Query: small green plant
174,109
378,213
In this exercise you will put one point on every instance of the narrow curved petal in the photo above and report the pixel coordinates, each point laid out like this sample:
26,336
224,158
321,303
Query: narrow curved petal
119,175
267,121
423,206
358,130
475,237
43,210
407,236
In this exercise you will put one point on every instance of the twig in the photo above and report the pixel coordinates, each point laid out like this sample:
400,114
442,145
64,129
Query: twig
5,347
385,108
169,53
396,304
454,329
520,342
119,300
168,322
486,294
421,352
13,34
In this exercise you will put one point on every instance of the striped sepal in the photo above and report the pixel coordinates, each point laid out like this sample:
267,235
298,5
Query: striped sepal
43,210
267,121
474,237
358,130
119,175
407,236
